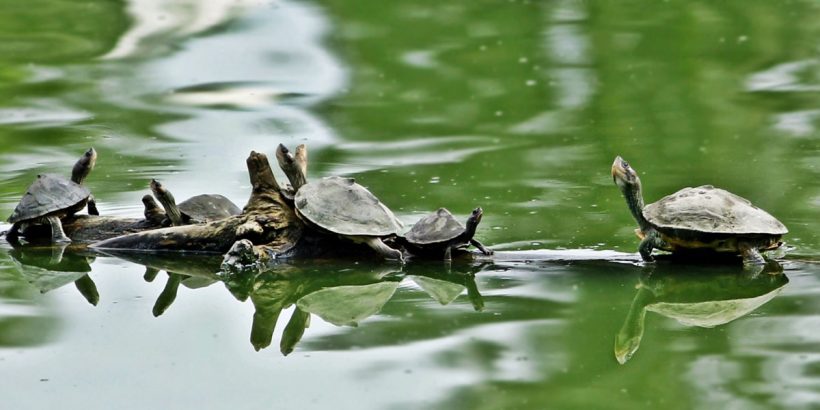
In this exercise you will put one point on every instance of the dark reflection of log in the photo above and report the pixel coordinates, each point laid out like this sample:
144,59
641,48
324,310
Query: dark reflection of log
168,294
192,271
294,330
286,284
88,289
705,297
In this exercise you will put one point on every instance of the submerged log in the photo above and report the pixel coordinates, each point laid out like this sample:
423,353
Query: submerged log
266,220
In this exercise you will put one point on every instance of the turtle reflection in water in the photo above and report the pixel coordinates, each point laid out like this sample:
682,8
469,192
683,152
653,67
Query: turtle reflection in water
703,299
705,218
51,267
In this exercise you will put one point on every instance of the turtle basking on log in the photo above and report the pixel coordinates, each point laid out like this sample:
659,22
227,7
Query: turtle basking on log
52,197
323,218
702,218
196,209
339,206
440,234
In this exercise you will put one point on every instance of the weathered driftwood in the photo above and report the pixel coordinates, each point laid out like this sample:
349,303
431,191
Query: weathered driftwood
85,229
266,220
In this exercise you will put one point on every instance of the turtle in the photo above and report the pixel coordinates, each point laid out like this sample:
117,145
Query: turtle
196,209
51,197
440,232
341,206
700,218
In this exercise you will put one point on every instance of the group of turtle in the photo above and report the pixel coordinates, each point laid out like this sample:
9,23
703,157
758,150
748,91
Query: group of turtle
692,219
333,205
342,207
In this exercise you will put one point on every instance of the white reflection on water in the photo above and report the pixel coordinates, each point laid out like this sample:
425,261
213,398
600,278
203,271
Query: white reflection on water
785,77
159,18
797,123
248,87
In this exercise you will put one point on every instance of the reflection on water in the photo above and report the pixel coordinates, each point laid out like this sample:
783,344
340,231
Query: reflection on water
704,297
334,292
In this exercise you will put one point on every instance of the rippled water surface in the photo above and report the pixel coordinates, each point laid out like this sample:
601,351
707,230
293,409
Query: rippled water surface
518,107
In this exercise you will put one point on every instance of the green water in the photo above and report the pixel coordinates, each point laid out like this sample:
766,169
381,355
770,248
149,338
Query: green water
517,106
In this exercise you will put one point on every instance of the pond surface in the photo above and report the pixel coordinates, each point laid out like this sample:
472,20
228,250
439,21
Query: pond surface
518,107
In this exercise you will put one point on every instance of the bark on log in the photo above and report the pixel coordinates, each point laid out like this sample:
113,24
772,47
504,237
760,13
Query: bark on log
266,220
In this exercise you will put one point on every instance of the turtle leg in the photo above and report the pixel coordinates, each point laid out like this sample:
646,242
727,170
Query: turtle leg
651,241
386,251
57,234
13,235
751,256
92,206
481,247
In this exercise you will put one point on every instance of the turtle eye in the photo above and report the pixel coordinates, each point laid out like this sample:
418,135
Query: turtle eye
625,164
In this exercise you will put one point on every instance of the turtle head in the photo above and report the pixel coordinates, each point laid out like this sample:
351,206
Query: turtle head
624,175
84,166
474,219
627,180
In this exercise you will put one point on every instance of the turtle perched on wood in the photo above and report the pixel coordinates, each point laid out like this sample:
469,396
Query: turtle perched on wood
698,218
440,233
343,207
52,197
196,209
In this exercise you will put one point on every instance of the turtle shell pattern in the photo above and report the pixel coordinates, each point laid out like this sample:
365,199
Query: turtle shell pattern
439,226
711,210
49,194
342,206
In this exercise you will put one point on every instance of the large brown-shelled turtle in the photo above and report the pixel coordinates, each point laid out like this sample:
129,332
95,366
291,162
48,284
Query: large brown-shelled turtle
440,233
52,197
196,209
341,206
704,217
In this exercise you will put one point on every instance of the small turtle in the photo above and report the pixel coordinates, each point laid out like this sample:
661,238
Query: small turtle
698,218
196,209
441,232
52,197
343,207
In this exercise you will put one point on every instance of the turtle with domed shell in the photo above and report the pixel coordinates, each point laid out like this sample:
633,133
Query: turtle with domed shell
698,218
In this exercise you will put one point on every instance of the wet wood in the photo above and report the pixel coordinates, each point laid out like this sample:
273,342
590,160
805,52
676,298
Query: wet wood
265,220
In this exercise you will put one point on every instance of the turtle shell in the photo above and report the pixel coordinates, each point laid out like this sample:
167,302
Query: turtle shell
439,226
49,194
711,210
342,206
209,207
